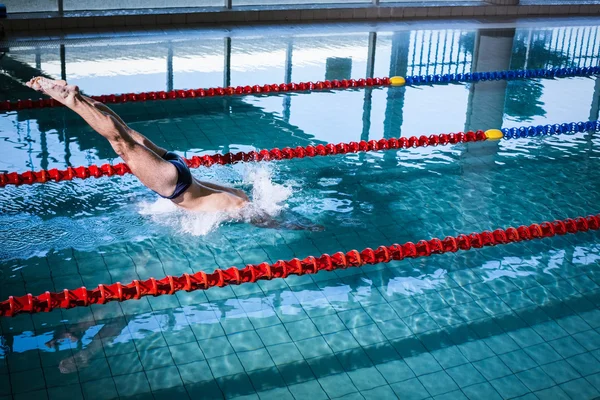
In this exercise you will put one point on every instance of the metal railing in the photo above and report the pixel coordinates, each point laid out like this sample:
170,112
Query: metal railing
441,52
557,47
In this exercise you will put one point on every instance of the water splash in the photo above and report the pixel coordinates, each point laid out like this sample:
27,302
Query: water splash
268,198
26,235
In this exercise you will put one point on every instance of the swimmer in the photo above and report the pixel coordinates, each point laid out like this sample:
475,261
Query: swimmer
162,171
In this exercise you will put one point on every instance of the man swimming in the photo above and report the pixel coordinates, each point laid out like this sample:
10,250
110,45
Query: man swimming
160,170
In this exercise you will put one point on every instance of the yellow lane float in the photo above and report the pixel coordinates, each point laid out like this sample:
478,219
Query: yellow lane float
494,134
397,81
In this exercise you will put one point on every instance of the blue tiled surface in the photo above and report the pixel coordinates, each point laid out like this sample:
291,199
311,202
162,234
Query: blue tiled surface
517,321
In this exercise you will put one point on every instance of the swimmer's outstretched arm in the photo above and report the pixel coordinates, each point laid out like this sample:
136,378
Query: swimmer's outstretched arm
263,220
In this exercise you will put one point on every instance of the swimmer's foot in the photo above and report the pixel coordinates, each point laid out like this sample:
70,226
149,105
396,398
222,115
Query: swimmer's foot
33,83
67,366
59,90
66,335
71,364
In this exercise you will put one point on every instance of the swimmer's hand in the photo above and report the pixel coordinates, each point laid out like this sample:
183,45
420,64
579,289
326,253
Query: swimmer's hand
266,221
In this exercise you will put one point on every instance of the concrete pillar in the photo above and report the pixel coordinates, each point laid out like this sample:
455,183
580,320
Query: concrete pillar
38,58
44,150
394,108
288,62
493,51
227,64
67,147
594,109
169,67
367,104
63,63
595,101
485,110
226,72
287,99
371,54
395,96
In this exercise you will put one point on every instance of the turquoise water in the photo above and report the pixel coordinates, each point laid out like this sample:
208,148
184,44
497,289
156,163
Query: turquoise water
504,322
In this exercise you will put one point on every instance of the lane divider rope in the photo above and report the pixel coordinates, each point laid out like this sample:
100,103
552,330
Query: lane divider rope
14,105
95,171
82,297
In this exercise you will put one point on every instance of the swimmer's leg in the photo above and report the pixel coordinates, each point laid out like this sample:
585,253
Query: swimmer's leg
141,139
149,167
81,358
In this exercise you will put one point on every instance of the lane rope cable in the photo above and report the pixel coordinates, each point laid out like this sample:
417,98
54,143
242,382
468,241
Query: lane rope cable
95,171
82,297
25,104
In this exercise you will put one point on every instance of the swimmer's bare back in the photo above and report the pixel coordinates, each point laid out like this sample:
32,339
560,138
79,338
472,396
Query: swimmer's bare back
211,198
169,177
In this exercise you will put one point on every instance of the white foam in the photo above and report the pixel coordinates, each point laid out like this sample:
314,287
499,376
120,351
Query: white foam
267,197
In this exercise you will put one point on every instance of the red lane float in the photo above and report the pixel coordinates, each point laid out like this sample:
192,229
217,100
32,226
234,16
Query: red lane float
210,92
137,289
94,171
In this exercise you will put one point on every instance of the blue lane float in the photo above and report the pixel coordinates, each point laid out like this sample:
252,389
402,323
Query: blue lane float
501,75
549,130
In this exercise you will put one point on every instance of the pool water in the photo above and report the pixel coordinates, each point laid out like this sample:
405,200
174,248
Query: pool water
521,320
